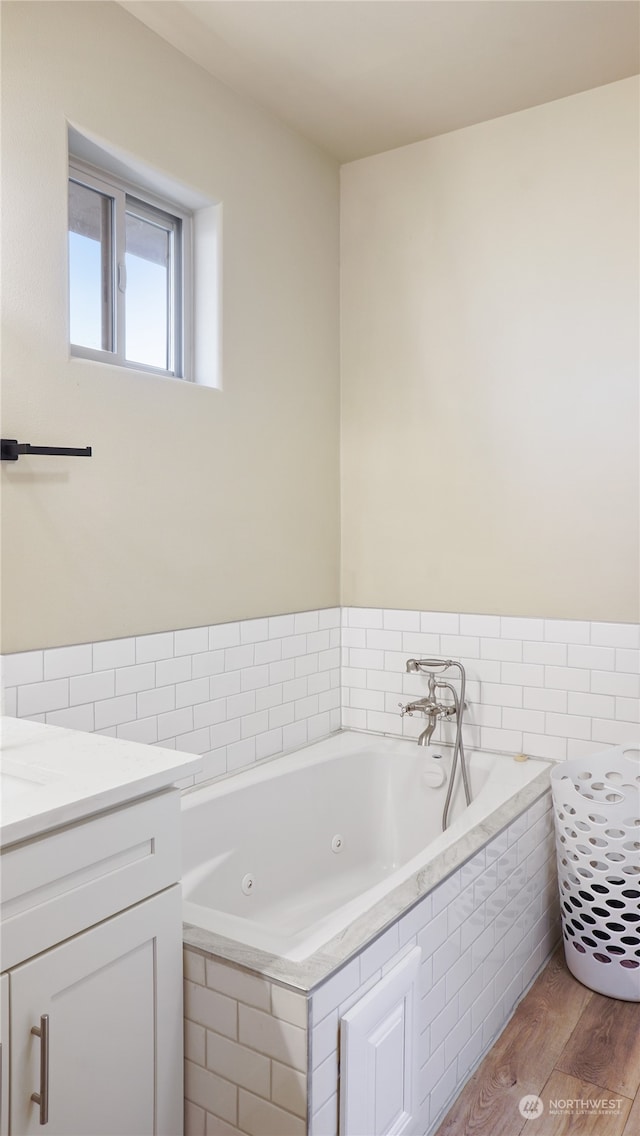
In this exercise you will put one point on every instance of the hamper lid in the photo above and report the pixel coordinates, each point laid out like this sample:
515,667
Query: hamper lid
609,778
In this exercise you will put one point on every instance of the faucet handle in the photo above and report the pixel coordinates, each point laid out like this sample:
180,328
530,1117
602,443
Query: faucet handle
405,710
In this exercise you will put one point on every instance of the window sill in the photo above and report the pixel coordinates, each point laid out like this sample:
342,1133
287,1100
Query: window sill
140,372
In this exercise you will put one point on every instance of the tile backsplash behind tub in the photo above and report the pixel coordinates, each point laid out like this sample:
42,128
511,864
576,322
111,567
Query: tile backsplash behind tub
238,692
551,688
233,692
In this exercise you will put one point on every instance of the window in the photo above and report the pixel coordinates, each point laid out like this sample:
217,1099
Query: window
129,266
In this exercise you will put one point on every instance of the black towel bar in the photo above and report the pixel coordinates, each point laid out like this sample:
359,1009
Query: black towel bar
10,450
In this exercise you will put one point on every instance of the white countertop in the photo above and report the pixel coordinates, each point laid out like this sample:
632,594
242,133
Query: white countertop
50,776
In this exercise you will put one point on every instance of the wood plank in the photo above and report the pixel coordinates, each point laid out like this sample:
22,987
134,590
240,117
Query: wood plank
487,1106
576,1119
523,1057
605,1048
632,1127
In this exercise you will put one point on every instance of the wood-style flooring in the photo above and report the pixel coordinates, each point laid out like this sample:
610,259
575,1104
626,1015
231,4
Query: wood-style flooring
564,1043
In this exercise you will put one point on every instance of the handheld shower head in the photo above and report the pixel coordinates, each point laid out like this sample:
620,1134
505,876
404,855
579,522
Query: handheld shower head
417,666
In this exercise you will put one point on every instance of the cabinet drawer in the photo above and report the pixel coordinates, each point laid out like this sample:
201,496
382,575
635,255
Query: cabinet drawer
67,880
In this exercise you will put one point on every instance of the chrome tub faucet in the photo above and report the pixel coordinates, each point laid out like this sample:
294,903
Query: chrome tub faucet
430,707
435,710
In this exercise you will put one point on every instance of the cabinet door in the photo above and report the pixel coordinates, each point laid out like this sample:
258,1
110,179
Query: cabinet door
4,1054
114,1002
377,1047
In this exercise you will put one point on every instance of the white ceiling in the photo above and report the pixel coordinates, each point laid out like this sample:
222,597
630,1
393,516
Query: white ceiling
362,76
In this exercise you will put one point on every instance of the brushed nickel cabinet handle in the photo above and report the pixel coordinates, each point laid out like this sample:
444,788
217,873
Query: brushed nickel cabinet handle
42,1098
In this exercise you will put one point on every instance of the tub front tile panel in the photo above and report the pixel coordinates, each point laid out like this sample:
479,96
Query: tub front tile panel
469,982
233,692
548,687
245,1052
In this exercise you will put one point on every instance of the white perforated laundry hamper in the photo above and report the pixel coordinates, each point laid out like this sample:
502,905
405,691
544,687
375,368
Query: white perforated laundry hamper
596,802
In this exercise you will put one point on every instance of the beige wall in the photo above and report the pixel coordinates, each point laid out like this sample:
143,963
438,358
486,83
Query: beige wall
489,360
198,505
490,366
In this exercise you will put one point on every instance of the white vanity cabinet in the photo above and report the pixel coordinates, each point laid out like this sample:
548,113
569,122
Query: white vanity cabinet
91,953
92,948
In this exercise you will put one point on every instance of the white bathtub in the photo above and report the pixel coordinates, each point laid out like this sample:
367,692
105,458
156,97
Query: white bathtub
284,856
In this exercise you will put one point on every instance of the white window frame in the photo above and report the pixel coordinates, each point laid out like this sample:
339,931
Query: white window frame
180,318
